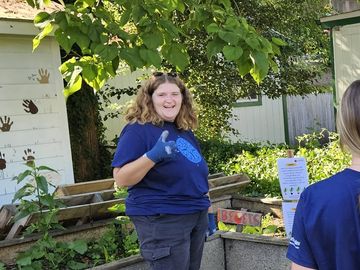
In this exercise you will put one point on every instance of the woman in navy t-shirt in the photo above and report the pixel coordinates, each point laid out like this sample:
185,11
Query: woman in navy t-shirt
326,230
159,160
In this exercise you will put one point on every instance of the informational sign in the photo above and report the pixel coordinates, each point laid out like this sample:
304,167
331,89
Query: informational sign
293,177
239,217
289,209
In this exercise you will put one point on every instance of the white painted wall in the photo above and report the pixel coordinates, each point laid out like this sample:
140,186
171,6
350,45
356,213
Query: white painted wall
43,134
346,56
260,123
124,80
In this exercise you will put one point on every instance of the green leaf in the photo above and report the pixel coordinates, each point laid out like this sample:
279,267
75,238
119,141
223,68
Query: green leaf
45,168
151,57
244,64
230,37
169,28
64,40
24,259
138,12
89,3
80,246
271,229
42,183
212,28
231,24
153,39
215,46
279,41
89,71
232,53
46,31
25,191
73,86
274,66
22,176
132,57
253,43
176,54
106,52
125,17
261,66
42,19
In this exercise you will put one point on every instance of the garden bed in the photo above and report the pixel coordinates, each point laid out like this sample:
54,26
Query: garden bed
221,250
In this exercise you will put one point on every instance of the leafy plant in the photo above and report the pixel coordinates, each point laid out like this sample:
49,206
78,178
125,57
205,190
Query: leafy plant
35,198
267,227
47,253
226,227
324,158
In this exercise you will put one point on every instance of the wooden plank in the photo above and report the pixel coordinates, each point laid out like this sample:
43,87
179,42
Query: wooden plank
17,227
6,214
215,175
227,189
239,217
225,180
84,187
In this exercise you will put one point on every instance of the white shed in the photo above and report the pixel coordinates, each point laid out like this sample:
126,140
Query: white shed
345,37
33,119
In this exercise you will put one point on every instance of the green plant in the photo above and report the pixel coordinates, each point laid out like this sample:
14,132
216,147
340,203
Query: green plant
35,198
2,266
47,253
267,227
226,227
324,158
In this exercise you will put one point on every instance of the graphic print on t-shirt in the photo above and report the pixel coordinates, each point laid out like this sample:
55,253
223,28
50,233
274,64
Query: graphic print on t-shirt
188,151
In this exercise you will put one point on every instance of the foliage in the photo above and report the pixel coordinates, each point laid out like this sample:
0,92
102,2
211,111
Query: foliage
47,253
217,84
218,152
35,197
267,227
143,34
261,166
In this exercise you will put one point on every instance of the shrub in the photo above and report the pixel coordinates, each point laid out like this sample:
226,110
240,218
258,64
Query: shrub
218,152
324,158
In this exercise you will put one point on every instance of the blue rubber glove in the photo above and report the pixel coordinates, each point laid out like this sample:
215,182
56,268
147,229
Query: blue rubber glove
211,224
162,150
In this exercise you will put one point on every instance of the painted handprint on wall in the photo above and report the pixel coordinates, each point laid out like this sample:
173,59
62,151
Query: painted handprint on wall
29,106
2,161
5,124
29,156
44,76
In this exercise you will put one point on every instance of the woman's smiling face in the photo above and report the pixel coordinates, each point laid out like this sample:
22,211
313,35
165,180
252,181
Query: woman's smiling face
167,100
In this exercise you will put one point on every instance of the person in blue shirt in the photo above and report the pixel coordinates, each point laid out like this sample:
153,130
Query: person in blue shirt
326,229
159,160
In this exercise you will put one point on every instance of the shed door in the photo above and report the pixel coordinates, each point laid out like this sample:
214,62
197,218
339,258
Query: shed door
346,57
33,120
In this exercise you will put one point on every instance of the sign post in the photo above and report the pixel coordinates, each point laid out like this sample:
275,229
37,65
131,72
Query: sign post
294,179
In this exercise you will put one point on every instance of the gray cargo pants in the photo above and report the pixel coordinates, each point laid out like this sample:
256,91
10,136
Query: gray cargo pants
172,242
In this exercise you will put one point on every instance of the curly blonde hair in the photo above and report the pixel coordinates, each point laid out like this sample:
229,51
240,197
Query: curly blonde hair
143,110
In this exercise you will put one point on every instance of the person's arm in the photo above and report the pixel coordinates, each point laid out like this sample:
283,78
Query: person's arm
295,266
131,173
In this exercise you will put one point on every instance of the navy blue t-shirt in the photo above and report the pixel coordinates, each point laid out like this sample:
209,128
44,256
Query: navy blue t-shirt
326,230
177,186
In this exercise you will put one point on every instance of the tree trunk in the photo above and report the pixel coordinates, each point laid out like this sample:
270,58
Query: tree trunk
85,147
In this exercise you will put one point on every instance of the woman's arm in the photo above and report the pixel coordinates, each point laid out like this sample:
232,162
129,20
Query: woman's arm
132,173
295,266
